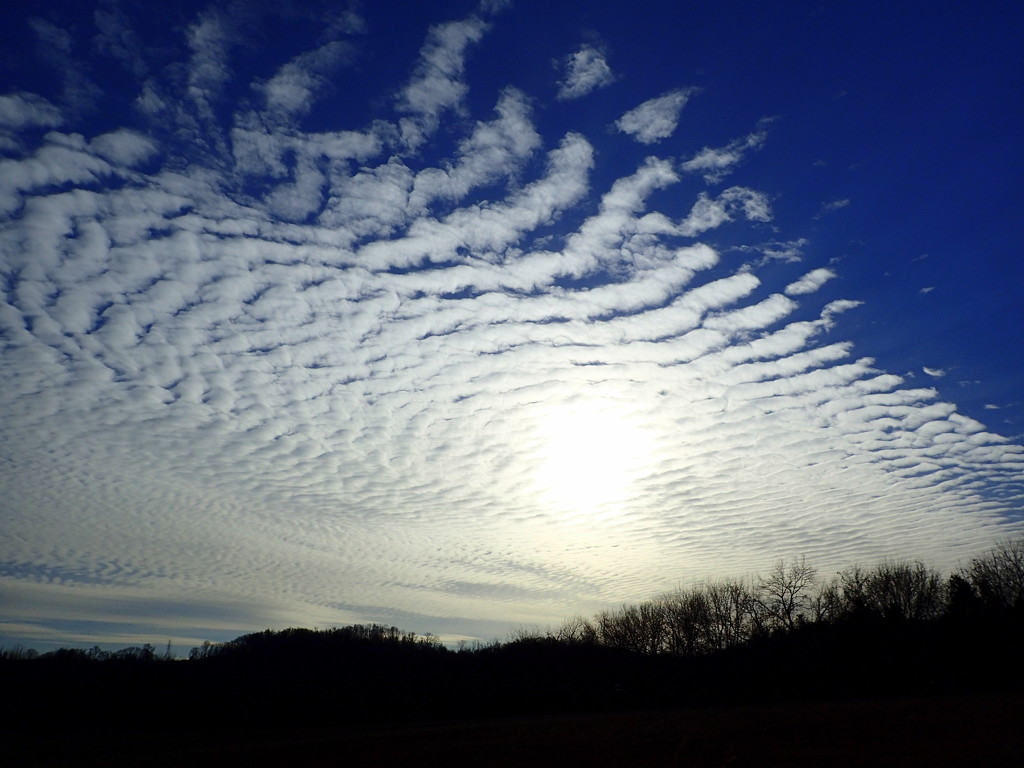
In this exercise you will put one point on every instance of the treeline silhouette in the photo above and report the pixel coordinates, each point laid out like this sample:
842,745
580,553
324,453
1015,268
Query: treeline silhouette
897,628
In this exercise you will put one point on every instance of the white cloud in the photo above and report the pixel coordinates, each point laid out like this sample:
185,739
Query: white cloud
22,110
331,399
63,159
493,151
810,282
655,119
437,84
835,205
208,70
123,148
708,212
293,88
784,251
19,111
586,70
716,164
934,372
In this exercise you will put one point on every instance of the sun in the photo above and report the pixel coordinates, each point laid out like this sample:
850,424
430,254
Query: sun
592,453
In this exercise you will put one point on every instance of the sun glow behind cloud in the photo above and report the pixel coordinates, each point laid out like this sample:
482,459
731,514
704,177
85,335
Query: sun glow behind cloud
593,451
376,372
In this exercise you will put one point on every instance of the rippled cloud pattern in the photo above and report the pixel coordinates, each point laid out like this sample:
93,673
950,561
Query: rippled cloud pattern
426,369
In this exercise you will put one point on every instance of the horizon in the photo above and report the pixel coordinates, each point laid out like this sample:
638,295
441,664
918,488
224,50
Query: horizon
474,316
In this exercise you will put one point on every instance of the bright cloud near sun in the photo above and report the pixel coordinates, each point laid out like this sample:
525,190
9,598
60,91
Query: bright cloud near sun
592,450
433,368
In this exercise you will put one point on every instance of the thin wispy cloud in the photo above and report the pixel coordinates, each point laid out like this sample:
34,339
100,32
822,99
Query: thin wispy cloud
434,367
714,164
835,205
786,251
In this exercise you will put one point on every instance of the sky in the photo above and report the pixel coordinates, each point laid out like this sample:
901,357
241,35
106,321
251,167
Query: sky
465,316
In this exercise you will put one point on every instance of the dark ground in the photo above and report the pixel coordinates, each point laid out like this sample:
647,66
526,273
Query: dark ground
964,730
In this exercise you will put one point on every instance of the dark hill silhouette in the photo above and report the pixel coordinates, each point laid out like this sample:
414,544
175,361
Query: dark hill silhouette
897,630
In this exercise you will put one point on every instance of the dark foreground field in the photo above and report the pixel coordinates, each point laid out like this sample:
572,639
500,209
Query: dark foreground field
972,731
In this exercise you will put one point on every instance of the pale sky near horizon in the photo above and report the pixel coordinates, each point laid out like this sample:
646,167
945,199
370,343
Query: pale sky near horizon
463,316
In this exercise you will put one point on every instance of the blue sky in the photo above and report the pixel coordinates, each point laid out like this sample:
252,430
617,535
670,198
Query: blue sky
466,316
